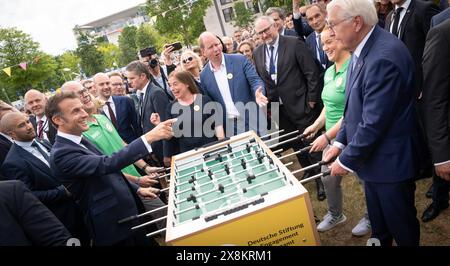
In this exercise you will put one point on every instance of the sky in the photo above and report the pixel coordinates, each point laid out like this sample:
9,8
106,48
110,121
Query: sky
50,22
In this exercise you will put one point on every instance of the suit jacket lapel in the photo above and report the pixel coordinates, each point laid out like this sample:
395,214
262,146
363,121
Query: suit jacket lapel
32,159
116,105
405,20
230,69
146,96
281,51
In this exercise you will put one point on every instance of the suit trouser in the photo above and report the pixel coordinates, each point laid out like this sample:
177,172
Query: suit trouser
392,212
440,190
333,190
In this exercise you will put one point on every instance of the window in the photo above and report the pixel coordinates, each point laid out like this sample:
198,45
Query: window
224,2
251,7
228,14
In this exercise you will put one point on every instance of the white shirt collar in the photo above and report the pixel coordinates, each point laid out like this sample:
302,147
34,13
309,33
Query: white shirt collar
144,90
43,119
405,5
6,136
222,64
74,138
110,99
361,45
24,144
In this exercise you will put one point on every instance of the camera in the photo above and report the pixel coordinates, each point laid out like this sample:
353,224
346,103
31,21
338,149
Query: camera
153,63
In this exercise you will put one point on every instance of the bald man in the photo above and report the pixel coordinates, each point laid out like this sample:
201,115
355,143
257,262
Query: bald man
35,101
5,140
119,109
28,161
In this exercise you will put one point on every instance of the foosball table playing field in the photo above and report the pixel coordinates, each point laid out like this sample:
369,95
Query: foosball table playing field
236,192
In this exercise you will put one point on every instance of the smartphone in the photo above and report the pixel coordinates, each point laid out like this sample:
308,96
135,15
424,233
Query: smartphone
176,46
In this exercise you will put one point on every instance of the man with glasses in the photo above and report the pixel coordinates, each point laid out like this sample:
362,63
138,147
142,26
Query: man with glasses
379,134
292,79
278,15
89,86
117,85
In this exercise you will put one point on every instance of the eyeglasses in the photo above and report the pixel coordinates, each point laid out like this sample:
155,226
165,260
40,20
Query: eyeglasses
332,25
83,93
189,59
264,31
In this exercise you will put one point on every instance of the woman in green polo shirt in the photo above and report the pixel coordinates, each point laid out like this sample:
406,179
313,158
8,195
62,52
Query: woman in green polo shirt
333,97
103,134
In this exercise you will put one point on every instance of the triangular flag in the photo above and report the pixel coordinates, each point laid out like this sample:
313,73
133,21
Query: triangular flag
23,65
7,71
154,19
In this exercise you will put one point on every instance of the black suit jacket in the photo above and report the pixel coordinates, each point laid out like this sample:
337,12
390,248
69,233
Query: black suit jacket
298,79
5,145
25,221
155,101
413,32
312,45
436,92
99,187
37,176
51,132
127,120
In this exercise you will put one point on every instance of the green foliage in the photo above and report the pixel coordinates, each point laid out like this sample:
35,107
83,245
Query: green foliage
16,47
127,45
243,16
185,21
147,36
111,53
286,4
91,59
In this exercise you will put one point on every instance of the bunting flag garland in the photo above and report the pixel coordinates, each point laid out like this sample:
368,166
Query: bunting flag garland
23,65
7,71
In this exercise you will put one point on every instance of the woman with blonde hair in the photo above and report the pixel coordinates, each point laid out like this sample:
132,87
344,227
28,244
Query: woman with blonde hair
191,62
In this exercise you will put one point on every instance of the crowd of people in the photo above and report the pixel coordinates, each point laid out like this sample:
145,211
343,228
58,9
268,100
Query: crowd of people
366,82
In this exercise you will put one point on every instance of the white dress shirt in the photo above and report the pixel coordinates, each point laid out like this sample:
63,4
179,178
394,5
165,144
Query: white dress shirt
34,151
221,75
357,53
113,107
402,15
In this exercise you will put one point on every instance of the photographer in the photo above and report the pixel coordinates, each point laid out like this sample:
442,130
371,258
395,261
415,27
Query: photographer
159,73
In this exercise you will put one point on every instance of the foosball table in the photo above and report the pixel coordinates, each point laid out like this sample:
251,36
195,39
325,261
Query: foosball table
236,192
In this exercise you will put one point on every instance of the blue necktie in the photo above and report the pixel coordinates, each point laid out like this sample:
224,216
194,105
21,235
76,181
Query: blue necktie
272,64
321,52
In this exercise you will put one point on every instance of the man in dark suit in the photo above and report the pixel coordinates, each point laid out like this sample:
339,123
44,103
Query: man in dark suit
152,99
95,180
35,101
231,80
25,221
316,14
292,79
119,109
28,161
278,14
379,136
436,98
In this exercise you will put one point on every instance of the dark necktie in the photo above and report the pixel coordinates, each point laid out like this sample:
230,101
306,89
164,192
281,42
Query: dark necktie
397,13
321,53
41,151
141,100
40,129
272,63
111,114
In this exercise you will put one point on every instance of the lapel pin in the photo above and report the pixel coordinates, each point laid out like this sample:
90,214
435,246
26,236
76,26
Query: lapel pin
196,108
230,76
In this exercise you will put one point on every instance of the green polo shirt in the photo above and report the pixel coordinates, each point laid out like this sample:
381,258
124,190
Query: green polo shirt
103,134
333,94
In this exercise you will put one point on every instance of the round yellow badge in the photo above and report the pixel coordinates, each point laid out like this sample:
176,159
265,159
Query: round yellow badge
230,76
196,108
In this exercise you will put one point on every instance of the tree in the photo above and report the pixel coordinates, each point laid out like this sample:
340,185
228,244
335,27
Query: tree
286,4
147,36
111,54
17,47
179,17
127,45
243,16
91,59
